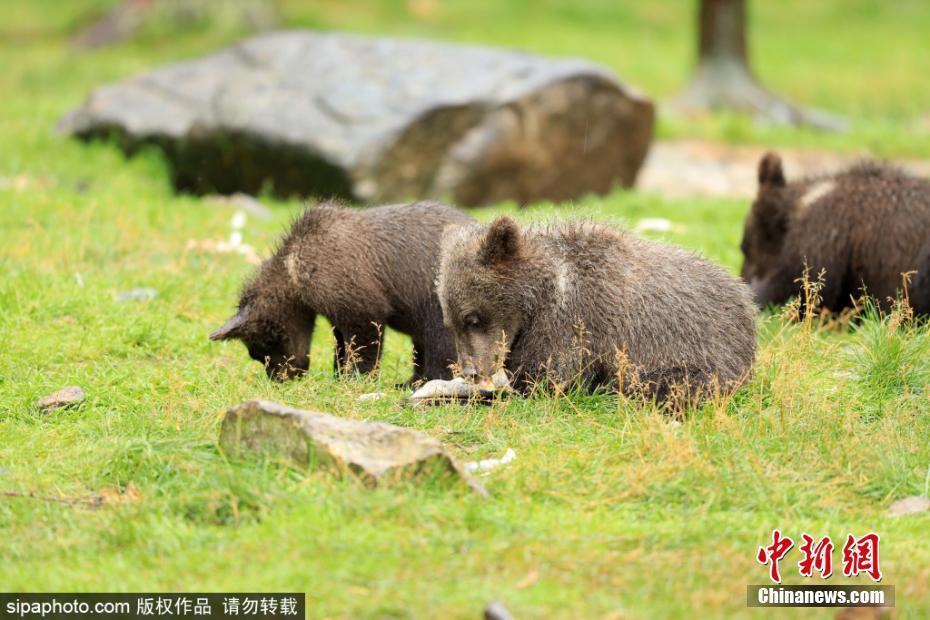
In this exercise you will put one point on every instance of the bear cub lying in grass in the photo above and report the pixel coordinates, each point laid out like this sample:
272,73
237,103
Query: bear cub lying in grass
584,302
863,227
363,270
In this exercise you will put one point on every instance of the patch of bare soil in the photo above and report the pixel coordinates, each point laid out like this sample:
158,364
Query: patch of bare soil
689,168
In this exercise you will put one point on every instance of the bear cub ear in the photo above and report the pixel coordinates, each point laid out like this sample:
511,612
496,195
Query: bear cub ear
501,242
770,171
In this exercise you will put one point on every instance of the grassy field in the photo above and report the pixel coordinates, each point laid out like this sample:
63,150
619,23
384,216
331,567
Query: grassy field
609,511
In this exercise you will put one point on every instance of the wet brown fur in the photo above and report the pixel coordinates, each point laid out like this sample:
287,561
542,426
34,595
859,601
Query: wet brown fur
363,270
570,302
872,226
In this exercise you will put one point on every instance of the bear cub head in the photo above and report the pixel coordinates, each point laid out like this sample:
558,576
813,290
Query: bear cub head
487,285
274,329
766,225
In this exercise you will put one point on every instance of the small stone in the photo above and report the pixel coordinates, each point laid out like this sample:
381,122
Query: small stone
371,397
138,294
496,611
909,506
374,452
65,397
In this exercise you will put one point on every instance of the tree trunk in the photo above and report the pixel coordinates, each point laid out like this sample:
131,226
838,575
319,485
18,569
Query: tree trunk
723,79
722,30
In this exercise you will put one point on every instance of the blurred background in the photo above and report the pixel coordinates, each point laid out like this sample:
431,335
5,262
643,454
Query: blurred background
865,60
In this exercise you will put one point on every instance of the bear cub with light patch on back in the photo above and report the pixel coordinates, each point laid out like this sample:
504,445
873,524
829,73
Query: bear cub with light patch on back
363,270
862,227
588,303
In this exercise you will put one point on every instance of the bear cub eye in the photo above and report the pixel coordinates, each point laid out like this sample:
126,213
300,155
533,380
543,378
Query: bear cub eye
471,321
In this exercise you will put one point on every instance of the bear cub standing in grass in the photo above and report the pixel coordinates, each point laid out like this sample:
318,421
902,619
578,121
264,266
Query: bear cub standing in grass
863,227
583,302
363,270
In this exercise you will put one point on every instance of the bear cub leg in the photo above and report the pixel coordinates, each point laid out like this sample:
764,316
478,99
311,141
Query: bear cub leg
920,285
433,360
419,366
358,348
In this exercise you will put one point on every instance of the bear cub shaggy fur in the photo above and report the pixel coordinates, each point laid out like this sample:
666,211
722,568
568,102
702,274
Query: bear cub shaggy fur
863,227
363,270
584,302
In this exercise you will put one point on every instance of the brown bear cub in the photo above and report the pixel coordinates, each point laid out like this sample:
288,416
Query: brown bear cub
863,227
363,270
584,303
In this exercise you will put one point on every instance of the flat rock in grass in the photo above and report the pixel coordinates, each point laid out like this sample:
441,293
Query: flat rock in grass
375,452
379,120
65,397
909,506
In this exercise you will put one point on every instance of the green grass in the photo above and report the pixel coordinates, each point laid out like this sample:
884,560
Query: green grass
608,511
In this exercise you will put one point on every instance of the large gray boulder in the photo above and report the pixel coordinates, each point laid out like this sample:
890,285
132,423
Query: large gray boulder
379,120
375,452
